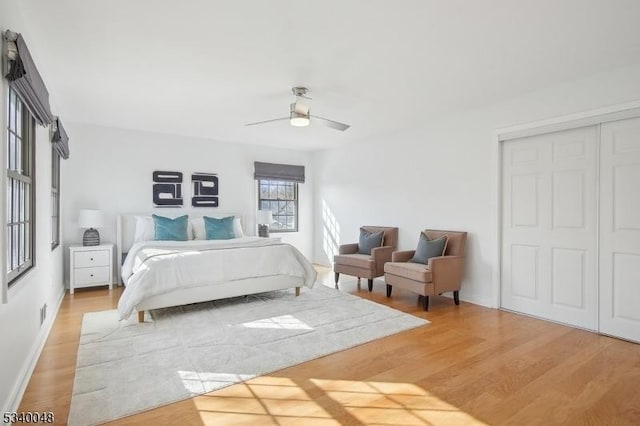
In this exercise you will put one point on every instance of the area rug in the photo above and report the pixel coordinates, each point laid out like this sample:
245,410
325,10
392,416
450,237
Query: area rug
125,367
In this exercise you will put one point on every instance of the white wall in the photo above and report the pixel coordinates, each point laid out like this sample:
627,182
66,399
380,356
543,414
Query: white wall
443,174
111,170
20,331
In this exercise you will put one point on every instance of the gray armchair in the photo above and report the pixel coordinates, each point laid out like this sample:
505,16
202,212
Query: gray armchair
349,262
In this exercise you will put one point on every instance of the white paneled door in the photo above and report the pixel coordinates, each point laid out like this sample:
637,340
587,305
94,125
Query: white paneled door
549,226
620,229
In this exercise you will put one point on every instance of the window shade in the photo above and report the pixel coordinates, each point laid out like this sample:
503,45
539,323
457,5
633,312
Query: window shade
60,140
25,79
278,172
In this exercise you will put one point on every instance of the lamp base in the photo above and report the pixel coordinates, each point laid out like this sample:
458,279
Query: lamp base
263,231
91,237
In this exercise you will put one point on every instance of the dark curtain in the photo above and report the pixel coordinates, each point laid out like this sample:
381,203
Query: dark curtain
60,140
279,172
25,79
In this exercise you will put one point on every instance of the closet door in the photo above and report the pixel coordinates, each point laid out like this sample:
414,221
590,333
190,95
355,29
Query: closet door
620,229
549,227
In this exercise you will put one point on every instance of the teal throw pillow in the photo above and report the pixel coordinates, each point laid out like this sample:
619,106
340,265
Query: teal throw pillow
429,248
369,240
167,229
219,229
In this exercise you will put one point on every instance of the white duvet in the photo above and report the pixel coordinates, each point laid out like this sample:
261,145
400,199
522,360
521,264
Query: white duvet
157,267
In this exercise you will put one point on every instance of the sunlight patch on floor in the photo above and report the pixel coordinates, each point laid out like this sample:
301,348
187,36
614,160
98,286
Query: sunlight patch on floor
286,322
270,400
262,401
195,381
392,403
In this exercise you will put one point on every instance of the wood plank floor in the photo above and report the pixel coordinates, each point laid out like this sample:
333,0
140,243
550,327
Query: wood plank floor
471,365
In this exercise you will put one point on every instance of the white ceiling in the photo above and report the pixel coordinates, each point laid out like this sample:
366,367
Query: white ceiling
205,68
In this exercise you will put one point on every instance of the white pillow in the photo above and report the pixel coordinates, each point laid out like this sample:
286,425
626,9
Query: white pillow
237,227
199,233
198,228
146,229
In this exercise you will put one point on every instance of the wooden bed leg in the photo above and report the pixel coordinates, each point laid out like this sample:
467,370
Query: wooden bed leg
140,316
297,291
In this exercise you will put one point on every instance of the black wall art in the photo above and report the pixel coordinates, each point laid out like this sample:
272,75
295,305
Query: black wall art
167,189
205,190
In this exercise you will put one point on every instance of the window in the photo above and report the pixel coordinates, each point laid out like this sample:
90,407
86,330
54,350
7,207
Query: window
281,197
20,184
55,198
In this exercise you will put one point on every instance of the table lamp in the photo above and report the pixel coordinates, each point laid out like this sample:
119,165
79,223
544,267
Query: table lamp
90,219
264,219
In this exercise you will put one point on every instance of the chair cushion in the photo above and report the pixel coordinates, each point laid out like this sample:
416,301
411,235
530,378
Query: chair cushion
429,248
390,237
456,241
369,240
357,260
413,271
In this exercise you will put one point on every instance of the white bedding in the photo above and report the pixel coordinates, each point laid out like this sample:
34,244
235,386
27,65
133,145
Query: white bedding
158,267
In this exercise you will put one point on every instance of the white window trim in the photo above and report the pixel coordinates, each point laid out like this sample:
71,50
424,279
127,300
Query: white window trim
3,182
297,203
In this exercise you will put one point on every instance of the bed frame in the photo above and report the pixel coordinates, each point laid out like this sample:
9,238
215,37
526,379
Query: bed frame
125,229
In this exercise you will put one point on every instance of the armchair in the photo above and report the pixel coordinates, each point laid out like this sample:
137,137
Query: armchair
349,262
441,274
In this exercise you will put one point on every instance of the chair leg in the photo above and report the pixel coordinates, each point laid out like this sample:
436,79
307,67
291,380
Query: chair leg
389,288
425,303
336,277
456,297
370,284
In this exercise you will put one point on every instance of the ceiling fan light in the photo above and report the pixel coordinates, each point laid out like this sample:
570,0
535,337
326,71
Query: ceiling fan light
299,115
299,121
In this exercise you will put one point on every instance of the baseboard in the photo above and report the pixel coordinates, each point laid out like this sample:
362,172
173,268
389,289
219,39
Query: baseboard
478,300
323,263
27,369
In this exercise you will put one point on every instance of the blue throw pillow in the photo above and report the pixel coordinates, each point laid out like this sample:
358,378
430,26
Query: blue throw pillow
167,229
369,240
219,229
429,248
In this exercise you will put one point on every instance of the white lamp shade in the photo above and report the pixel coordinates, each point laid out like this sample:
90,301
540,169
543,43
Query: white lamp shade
90,219
264,217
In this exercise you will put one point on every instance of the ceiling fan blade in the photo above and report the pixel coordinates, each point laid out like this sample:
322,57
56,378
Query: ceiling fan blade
301,108
267,121
331,123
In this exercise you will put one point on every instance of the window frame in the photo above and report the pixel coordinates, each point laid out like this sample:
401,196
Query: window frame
23,174
278,200
55,198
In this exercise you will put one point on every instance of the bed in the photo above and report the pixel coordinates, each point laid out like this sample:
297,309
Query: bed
160,274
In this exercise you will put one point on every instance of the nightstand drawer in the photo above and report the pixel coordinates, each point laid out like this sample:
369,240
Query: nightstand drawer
91,276
87,259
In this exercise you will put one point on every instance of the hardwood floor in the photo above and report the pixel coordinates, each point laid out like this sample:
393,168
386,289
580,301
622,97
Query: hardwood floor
471,365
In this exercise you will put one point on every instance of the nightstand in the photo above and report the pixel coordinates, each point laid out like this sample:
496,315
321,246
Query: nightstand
90,266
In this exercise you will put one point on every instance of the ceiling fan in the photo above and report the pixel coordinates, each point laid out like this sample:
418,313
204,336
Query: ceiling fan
299,115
